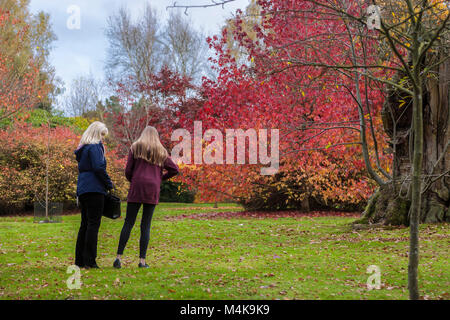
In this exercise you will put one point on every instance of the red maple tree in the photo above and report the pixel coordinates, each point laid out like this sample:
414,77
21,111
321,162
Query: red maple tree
322,162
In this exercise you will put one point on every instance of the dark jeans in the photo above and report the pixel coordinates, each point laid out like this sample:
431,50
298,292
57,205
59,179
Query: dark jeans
130,219
91,215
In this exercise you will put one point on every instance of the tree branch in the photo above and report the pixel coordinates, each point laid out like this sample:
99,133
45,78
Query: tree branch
214,3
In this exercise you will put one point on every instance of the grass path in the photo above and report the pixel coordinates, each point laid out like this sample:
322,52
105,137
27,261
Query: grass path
231,258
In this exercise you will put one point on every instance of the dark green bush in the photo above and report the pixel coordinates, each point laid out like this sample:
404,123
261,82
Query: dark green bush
176,192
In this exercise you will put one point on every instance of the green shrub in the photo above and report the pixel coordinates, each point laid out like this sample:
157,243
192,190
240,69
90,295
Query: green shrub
176,192
39,117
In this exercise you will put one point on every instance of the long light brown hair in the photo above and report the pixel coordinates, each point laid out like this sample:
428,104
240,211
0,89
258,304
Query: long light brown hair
149,148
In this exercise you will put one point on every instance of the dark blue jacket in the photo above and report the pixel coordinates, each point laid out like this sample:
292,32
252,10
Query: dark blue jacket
92,176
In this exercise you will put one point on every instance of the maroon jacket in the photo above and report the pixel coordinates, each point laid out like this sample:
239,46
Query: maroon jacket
146,179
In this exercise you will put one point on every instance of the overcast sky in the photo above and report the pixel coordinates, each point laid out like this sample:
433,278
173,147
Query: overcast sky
82,51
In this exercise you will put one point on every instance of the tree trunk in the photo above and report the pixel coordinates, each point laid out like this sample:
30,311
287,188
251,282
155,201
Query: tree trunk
391,202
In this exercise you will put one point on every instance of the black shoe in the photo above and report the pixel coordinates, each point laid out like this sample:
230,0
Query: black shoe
117,264
94,266
143,265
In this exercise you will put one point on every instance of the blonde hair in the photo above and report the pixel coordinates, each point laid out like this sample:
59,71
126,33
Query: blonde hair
94,133
149,148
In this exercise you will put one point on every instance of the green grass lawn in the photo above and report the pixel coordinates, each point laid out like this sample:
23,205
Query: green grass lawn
237,258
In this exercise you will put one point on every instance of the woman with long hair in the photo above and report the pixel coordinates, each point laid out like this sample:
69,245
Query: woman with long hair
93,183
147,161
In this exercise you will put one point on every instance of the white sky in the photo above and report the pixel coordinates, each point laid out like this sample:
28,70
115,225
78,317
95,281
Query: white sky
82,51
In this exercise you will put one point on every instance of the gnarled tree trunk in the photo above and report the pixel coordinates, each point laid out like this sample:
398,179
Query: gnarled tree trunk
391,202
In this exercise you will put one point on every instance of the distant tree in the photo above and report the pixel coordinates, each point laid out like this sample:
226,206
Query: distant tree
134,47
19,82
83,96
142,47
109,105
27,37
158,102
250,19
185,48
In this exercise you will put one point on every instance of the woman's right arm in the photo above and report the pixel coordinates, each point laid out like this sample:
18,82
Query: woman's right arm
130,166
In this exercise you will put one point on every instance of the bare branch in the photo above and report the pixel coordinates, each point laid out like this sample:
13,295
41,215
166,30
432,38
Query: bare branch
214,3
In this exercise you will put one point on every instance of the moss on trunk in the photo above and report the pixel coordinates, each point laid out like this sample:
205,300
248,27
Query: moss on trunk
386,207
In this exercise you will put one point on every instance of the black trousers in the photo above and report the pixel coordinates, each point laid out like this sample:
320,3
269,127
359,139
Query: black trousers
91,215
130,219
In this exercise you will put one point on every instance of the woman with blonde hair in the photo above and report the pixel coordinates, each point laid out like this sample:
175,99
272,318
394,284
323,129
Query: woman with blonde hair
93,183
145,167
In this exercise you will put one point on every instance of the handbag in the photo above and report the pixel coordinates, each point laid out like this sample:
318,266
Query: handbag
111,208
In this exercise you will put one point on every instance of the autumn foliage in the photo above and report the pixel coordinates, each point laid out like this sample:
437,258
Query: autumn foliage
156,102
20,90
23,156
270,87
321,162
